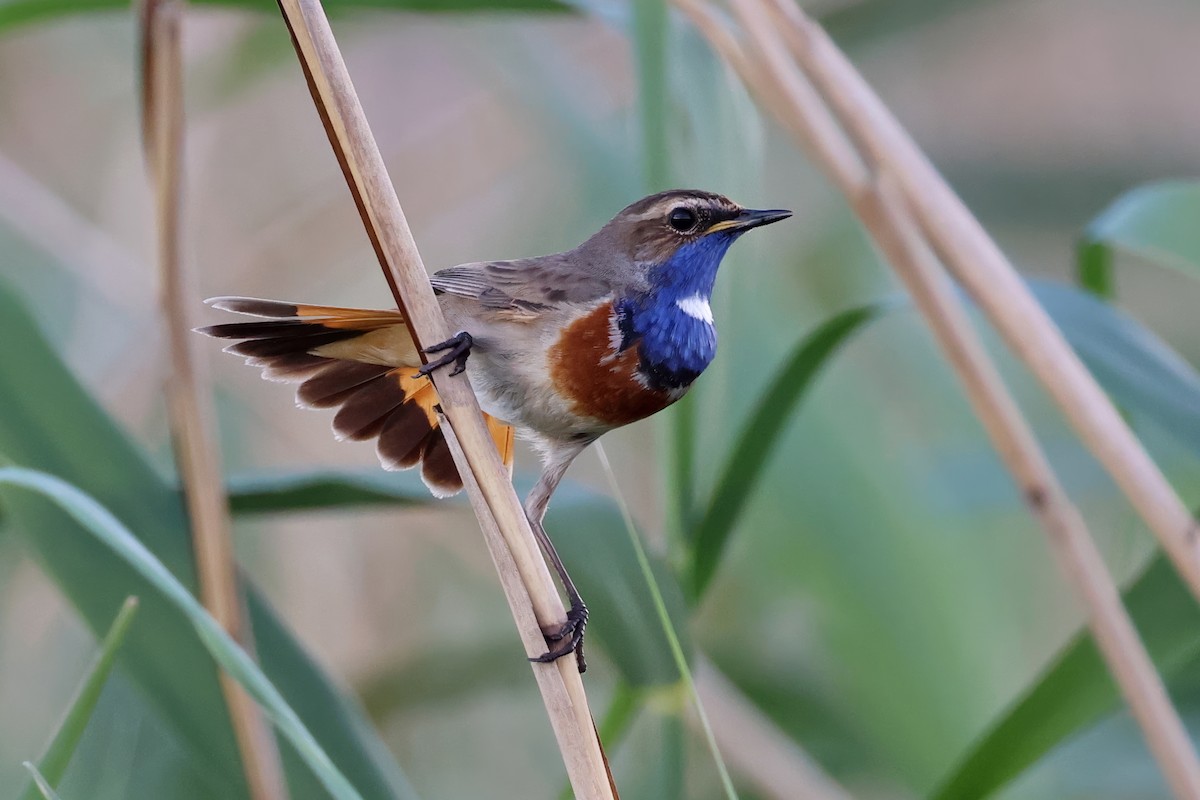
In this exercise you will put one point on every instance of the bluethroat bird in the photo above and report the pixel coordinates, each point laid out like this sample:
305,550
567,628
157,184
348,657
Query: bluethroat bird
564,347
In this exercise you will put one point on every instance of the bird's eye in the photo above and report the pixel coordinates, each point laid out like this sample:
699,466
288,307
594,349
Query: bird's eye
682,219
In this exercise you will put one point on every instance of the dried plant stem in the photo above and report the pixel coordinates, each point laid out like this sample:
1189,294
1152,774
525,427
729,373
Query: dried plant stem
527,584
1077,554
765,756
885,215
188,404
986,273
52,224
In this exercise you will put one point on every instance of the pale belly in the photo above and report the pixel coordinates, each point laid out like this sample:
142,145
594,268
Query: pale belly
521,395
509,372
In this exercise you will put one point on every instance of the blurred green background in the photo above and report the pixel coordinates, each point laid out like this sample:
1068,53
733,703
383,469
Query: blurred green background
884,598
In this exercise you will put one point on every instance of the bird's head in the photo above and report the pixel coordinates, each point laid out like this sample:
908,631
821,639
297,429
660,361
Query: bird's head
674,241
661,256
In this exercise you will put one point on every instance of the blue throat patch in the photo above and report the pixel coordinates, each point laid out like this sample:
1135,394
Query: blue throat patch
674,347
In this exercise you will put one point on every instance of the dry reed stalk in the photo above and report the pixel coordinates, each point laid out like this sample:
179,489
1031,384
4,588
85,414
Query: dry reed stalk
98,259
1078,557
886,217
188,405
967,250
765,756
528,587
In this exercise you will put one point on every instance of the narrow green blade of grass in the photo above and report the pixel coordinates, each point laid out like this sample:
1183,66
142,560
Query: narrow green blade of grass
278,492
49,423
53,762
128,751
588,532
739,476
686,685
39,781
106,528
18,12
1156,221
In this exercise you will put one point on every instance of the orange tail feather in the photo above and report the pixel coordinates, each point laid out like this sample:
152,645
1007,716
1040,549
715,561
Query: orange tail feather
362,363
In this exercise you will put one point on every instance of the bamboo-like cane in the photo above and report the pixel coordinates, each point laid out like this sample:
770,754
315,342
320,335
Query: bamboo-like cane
785,91
188,404
986,273
527,583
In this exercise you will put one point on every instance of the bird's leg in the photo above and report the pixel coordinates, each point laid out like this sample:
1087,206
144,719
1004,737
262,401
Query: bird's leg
459,345
569,636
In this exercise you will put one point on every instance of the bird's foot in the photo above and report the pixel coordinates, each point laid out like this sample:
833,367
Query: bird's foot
568,638
459,345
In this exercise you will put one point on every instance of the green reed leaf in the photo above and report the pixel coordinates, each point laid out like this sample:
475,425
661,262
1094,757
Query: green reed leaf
23,12
739,476
266,492
1076,690
586,528
1144,375
1156,222
1152,383
48,422
108,529
1094,268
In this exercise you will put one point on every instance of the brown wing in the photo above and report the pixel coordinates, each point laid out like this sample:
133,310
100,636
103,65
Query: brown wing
526,285
362,363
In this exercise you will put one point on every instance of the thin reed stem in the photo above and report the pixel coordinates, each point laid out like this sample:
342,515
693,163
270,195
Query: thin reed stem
188,402
1078,557
886,215
528,586
664,617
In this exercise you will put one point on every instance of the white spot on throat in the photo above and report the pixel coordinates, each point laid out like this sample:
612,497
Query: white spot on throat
696,307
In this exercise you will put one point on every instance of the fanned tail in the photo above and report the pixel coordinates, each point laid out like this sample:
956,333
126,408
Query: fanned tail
362,363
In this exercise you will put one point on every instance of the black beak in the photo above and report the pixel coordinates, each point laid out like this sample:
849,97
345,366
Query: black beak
753,218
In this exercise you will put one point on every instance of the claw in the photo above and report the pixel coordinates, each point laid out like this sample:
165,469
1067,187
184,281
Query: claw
568,638
459,345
